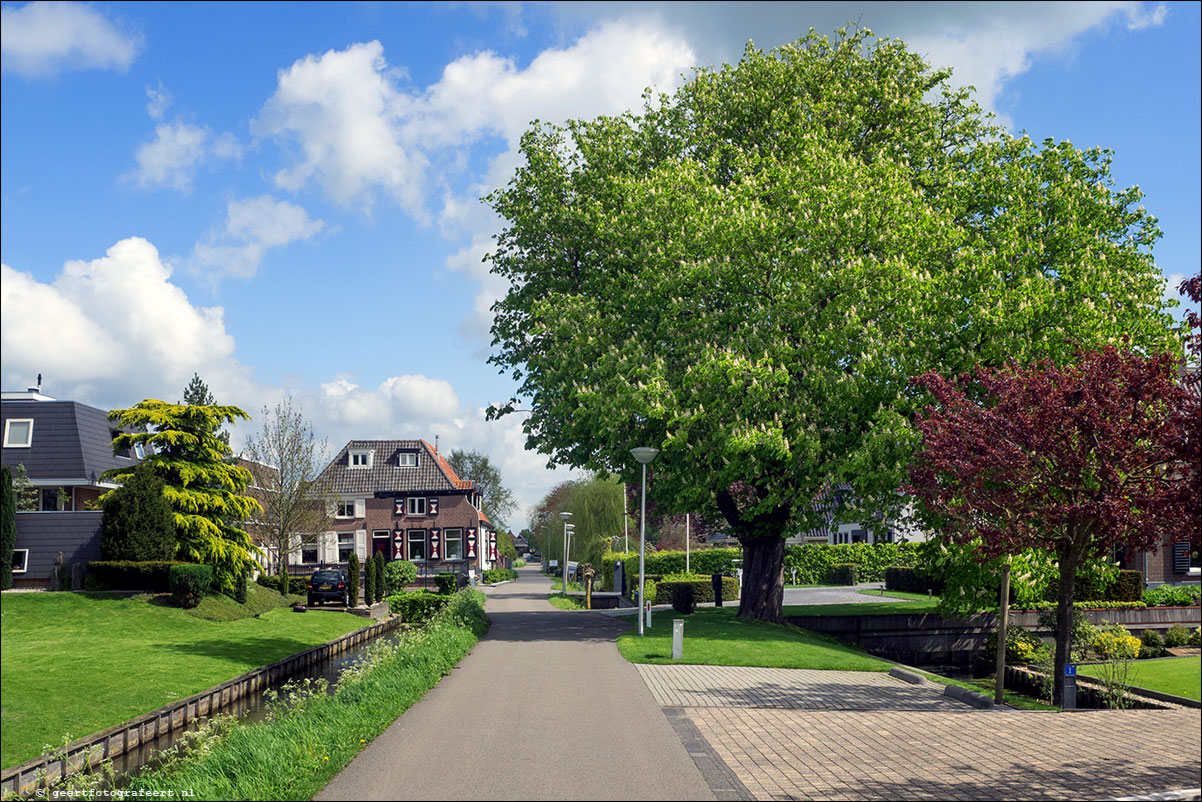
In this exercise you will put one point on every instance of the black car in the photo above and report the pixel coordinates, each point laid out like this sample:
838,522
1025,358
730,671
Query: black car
327,584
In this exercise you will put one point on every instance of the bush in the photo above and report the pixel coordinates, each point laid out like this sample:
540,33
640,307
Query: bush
1128,587
1177,636
1114,642
190,582
702,561
8,529
352,581
1195,638
369,581
493,575
1085,605
682,597
703,587
1151,644
398,575
240,587
270,581
137,524
1081,637
418,606
519,563
841,574
1021,647
907,579
813,561
1173,596
150,575
378,562
447,582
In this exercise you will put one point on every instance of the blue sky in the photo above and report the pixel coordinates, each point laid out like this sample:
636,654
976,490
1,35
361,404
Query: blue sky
284,198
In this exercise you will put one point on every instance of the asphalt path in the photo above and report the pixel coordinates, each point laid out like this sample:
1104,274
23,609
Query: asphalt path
544,707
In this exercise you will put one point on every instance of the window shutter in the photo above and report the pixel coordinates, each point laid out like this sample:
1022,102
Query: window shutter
361,543
360,508
1180,558
399,506
331,508
435,544
329,547
432,506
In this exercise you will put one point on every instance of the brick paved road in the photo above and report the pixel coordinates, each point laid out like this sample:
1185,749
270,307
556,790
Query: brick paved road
776,734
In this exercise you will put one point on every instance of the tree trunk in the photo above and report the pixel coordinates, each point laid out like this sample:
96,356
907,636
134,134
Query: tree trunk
763,579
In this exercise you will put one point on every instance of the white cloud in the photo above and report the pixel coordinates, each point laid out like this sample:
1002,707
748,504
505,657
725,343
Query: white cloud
177,151
42,39
160,99
342,110
252,227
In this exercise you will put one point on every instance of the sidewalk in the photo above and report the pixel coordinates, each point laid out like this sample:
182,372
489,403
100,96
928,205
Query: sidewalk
544,707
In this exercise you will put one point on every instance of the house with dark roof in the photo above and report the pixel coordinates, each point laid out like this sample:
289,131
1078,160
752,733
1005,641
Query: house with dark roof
65,447
402,499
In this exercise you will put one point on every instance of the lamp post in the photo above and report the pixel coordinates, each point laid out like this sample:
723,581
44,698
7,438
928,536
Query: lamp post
643,455
564,516
567,550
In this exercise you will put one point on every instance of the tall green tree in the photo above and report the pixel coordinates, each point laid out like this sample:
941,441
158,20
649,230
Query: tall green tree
138,523
197,394
8,528
206,493
746,273
496,499
596,507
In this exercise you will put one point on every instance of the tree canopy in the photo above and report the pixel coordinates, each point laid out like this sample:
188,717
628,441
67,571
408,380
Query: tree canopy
496,499
205,492
596,507
746,274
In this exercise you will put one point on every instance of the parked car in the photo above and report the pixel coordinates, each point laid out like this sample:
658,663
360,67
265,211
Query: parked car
327,584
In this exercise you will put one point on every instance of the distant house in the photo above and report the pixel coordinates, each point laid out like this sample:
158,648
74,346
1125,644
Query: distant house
401,498
65,448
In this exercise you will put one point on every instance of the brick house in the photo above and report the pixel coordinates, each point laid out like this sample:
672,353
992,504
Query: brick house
65,447
402,499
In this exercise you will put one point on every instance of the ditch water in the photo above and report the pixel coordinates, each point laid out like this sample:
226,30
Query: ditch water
248,709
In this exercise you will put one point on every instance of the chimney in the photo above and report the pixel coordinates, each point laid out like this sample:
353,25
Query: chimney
435,436
37,389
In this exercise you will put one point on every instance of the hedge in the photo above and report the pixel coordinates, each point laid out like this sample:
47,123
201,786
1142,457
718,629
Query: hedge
908,579
494,575
682,595
189,582
417,606
1128,587
814,561
446,582
841,574
702,561
151,575
271,581
1086,605
703,587
1173,596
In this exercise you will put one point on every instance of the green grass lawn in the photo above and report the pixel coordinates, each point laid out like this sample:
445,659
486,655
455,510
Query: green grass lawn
73,664
1180,676
920,604
714,636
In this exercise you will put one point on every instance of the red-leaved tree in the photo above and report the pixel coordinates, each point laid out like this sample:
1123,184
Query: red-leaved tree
1075,460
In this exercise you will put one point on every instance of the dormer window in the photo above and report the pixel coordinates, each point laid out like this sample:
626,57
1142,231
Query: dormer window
360,458
407,459
18,433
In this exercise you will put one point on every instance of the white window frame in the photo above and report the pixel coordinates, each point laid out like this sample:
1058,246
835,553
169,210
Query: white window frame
345,540
360,458
425,541
447,539
24,561
140,450
403,457
8,441
411,505
341,509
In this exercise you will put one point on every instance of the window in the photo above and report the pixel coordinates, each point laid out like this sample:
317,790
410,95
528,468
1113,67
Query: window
124,453
309,554
452,544
415,505
55,499
346,546
381,541
417,545
18,433
407,459
140,451
345,509
360,458
20,560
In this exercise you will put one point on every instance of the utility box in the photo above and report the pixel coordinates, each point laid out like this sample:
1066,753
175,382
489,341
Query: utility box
716,580
620,577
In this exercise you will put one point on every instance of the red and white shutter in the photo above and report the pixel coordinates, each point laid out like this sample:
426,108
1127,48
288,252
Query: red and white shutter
471,543
432,506
492,547
398,545
435,544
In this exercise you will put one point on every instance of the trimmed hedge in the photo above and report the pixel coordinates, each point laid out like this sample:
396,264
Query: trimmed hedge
151,575
703,587
701,561
908,579
190,582
446,582
813,561
270,581
1129,587
1086,605
418,606
841,574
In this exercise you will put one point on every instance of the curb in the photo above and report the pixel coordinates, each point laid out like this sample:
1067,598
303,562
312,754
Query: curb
977,700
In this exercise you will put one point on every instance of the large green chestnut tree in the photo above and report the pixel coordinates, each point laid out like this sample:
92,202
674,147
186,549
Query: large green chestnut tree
745,274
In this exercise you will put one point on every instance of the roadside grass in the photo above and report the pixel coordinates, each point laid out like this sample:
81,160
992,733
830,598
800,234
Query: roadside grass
898,594
296,751
919,605
715,636
75,663
565,602
1180,676
218,607
986,686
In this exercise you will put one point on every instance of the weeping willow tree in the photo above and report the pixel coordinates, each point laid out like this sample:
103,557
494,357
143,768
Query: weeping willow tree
596,507
205,492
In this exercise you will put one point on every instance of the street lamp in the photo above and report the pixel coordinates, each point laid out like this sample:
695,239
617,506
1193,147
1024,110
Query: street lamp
643,455
564,516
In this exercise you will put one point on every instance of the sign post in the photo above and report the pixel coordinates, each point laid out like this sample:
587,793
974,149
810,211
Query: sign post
1070,687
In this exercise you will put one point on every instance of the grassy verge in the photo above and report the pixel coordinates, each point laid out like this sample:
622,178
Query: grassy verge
307,743
1180,676
898,594
986,686
258,601
73,663
921,605
715,636
565,603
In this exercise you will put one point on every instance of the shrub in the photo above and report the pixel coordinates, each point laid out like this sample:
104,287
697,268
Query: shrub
240,587
190,582
813,561
398,575
1114,642
352,581
1081,638
494,575
907,579
138,523
378,561
519,563
703,587
1085,605
8,529
703,561
1128,587
1177,635
682,597
1021,647
841,574
1173,596
1151,644
369,581
151,575
418,606
1195,637
269,581
446,581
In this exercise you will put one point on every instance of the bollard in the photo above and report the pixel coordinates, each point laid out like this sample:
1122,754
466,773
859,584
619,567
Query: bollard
648,615
677,638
